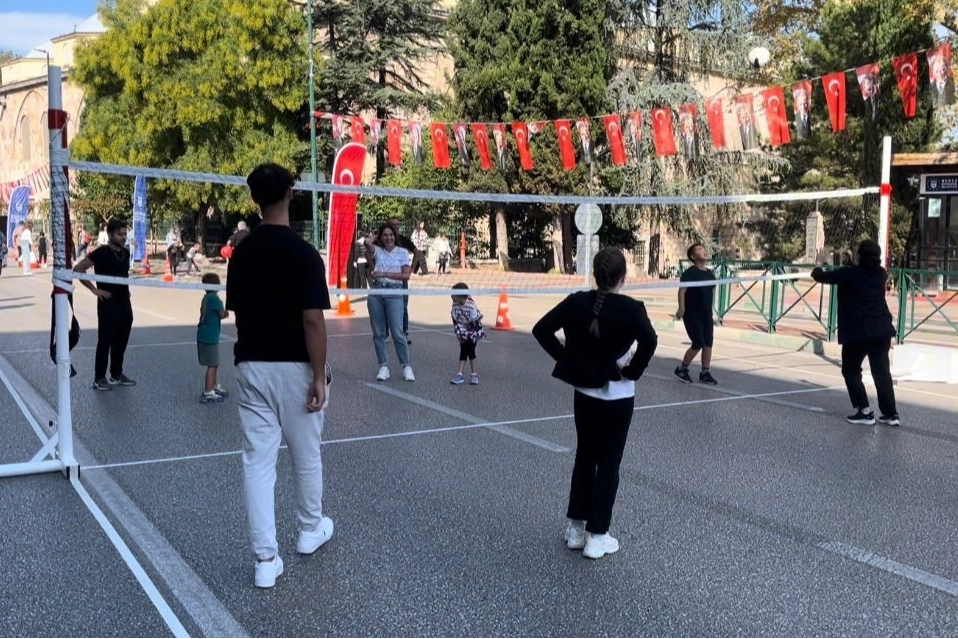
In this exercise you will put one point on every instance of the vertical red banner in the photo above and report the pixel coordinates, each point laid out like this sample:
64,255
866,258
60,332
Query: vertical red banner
520,131
745,114
715,113
802,101
940,76
394,142
634,126
440,145
358,129
613,131
347,171
834,85
776,116
663,134
906,72
566,148
480,135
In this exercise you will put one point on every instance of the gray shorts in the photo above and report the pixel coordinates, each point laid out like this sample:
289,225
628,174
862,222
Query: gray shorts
209,354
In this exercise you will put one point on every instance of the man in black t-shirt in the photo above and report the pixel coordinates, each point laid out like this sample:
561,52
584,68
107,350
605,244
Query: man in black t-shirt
276,287
114,312
242,232
695,311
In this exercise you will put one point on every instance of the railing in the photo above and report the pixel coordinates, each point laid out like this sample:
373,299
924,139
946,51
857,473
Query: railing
920,305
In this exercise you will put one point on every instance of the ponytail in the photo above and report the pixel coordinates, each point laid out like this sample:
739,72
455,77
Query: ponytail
609,269
596,309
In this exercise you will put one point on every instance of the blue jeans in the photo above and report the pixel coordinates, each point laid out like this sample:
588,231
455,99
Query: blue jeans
385,317
405,310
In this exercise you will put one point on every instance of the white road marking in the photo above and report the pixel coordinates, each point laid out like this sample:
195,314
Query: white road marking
891,566
732,393
4,363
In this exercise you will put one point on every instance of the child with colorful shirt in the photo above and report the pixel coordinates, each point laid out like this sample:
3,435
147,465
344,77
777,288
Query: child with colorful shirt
212,312
467,322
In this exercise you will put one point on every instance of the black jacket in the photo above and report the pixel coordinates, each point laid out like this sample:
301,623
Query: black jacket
862,310
589,362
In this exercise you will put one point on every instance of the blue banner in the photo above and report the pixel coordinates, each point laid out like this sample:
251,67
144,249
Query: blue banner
19,208
139,218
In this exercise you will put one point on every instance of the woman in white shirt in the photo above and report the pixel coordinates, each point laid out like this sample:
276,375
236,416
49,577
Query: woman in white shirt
392,266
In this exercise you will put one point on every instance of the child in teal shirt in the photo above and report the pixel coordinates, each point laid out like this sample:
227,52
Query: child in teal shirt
212,312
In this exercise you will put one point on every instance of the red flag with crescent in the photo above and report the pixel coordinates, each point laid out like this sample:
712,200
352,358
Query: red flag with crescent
394,142
358,129
440,145
347,171
520,131
715,113
662,132
480,134
906,72
566,148
834,85
613,131
776,116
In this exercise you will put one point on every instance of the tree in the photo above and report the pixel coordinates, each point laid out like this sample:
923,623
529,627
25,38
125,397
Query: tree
523,60
665,46
851,35
376,51
208,85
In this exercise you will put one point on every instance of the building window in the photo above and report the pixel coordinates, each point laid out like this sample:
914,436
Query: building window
26,147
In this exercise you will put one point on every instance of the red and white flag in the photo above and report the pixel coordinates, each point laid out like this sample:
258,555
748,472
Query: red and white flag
802,109
440,145
940,76
358,129
347,171
834,85
633,123
520,131
868,81
715,113
480,135
906,72
613,131
394,142
662,132
566,148
776,117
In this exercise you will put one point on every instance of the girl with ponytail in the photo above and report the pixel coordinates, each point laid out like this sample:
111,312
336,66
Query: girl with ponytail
609,342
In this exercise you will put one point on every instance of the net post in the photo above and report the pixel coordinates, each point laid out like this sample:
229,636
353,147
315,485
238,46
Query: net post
884,207
59,224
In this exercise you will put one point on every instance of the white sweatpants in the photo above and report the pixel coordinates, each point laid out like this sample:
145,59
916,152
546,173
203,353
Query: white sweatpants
272,405
25,255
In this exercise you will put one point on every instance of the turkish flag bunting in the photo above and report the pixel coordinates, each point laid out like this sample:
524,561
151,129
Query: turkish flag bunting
481,136
520,131
394,142
440,145
715,112
834,85
906,72
776,116
358,129
375,132
662,132
613,131
634,124
566,149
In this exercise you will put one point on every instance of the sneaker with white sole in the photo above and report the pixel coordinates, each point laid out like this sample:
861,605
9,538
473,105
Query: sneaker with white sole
267,572
310,540
474,379
222,392
682,374
383,374
100,384
122,380
407,374
862,417
457,379
211,398
889,420
575,536
598,546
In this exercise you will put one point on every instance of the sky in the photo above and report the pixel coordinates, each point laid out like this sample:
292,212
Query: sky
28,23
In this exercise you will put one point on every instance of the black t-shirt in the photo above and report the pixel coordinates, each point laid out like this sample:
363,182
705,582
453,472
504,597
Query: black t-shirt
238,237
698,299
107,261
273,276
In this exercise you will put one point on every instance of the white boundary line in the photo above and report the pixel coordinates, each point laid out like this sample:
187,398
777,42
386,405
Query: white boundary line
4,362
885,564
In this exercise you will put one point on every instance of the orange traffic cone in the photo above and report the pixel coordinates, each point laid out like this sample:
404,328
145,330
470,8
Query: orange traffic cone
343,309
167,273
146,265
503,323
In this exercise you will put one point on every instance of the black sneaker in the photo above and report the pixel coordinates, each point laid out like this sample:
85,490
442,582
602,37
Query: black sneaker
683,374
122,380
889,420
706,378
861,417
101,384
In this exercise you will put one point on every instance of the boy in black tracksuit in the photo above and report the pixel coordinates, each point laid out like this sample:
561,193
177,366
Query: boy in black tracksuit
865,329
695,311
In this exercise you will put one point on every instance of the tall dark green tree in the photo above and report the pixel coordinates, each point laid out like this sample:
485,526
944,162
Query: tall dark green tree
525,60
850,35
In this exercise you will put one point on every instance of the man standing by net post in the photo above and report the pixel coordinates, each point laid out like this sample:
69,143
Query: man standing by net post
695,311
276,287
114,311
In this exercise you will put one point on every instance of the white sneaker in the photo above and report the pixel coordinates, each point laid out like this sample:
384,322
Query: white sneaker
383,374
407,374
268,571
310,540
575,536
597,546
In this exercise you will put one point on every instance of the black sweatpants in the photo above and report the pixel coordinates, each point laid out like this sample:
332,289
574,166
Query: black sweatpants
115,320
601,429
876,350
